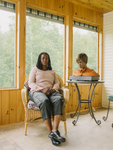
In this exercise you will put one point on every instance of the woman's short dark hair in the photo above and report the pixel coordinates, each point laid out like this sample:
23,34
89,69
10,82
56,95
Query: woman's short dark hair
39,64
83,57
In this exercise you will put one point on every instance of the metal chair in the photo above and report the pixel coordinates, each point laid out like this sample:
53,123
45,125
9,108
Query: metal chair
110,98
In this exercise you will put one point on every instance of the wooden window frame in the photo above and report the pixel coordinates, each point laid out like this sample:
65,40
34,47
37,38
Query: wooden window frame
65,41
20,55
16,22
97,43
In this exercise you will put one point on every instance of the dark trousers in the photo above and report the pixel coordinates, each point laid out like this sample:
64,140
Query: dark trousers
47,102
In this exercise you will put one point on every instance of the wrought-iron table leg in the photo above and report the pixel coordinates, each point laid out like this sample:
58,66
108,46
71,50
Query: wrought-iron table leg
75,121
105,118
72,115
90,98
97,121
92,114
78,107
89,105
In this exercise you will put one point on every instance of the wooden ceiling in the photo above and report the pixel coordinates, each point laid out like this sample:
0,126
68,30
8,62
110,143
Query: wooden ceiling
103,6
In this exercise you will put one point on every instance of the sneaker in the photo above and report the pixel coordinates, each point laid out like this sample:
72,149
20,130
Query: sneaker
54,142
56,135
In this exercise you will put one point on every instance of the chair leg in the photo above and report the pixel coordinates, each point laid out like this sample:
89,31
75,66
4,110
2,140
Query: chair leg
65,128
105,118
25,128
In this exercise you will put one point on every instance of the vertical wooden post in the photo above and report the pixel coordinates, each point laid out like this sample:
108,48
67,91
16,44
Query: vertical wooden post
21,44
69,50
100,50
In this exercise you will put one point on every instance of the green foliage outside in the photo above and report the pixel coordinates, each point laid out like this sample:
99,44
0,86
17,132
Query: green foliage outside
85,42
7,55
43,36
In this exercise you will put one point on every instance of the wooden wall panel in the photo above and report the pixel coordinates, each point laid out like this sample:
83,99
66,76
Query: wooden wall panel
99,100
70,103
45,4
74,99
63,7
13,106
33,2
51,4
98,96
20,108
82,13
99,17
87,14
59,6
38,2
94,16
79,11
84,95
56,6
90,15
5,108
84,90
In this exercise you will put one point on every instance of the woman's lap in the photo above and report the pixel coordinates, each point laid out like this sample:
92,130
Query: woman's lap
39,97
45,103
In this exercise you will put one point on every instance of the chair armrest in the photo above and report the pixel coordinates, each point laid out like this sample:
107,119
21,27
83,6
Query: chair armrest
24,96
65,94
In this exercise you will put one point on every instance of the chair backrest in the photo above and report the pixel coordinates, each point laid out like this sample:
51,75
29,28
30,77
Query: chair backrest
59,78
26,80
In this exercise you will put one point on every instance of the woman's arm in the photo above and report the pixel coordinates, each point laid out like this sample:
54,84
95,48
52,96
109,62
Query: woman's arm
56,85
32,81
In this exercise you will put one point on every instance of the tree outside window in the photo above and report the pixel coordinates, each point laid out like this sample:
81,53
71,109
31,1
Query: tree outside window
44,36
85,41
7,49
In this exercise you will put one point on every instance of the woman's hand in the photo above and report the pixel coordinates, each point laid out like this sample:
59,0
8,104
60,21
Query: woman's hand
43,91
49,91
52,90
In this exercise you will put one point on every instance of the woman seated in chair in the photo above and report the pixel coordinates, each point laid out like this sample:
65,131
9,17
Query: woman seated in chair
82,60
44,92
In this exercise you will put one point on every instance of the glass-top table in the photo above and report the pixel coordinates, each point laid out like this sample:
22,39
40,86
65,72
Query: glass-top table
88,100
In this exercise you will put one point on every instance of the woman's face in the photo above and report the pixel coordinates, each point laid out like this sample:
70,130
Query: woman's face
81,64
44,59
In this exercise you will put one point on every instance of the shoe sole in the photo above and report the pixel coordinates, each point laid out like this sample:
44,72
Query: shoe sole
54,143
